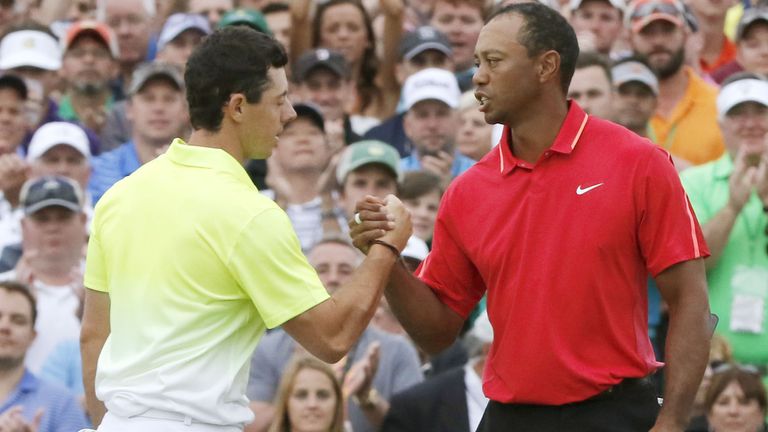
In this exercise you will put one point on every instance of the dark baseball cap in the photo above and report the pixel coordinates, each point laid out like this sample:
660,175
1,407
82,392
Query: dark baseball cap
311,112
422,39
149,71
321,57
50,191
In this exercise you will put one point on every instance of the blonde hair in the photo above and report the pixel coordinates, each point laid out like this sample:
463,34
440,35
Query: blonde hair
300,362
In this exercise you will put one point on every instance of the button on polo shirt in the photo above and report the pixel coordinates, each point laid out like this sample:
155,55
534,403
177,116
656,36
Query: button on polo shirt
196,263
563,247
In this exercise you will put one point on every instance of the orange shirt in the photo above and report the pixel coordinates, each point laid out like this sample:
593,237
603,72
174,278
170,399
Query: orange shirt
727,54
691,132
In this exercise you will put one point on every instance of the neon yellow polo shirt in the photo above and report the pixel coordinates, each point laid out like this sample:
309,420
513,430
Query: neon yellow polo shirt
196,263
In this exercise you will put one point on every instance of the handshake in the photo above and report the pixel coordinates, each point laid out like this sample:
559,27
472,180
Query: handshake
386,220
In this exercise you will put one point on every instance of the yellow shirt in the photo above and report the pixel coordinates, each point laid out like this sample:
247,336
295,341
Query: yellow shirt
196,263
691,132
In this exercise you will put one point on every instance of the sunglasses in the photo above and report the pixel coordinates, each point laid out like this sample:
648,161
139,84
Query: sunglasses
720,366
656,7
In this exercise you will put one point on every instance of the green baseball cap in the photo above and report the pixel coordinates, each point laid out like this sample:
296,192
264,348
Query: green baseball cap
249,17
368,152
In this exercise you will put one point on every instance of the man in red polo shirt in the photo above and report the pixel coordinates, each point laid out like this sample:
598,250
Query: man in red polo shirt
561,225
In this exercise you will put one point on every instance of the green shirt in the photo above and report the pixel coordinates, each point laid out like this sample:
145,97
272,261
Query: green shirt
739,280
196,263
67,111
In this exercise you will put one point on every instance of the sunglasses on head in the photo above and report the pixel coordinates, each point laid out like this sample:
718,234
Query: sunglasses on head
720,366
655,7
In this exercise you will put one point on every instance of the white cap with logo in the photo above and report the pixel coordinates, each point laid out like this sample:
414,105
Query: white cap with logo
740,91
432,84
30,48
52,134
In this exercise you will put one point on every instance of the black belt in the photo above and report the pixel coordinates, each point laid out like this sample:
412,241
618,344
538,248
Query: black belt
627,384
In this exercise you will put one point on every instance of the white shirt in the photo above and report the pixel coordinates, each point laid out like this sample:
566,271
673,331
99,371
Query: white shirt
56,320
476,400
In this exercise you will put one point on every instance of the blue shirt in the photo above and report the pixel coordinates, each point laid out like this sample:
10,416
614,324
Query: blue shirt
461,163
64,366
111,167
62,413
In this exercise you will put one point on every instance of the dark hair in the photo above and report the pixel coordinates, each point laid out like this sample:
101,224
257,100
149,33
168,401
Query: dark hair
15,287
369,66
234,59
275,6
591,58
480,5
544,29
749,381
416,184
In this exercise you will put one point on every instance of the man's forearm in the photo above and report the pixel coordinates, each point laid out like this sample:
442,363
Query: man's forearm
430,323
90,350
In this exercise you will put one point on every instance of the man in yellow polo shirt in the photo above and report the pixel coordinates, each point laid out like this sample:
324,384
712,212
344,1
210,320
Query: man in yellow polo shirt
188,264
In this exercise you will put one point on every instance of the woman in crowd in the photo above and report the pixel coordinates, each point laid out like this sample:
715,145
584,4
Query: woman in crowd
736,400
309,398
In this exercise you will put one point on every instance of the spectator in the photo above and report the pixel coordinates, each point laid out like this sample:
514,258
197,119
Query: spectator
278,16
308,398
736,400
422,48
729,196
53,238
344,26
685,120
180,35
717,49
131,20
157,111
591,84
461,21
421,192
212,10
300,174
432,98
451,401
335,260
8,15
751,45
598,24
57,148
474,137
635,92
719,354
13,95
26,402
88,66
322,77
366,168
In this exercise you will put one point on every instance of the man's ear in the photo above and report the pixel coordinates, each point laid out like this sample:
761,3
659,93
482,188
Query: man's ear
549,66
234,107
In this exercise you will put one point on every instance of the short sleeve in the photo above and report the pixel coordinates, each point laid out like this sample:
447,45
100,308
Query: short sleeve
95,276
447,269
698,192
668,231
268,264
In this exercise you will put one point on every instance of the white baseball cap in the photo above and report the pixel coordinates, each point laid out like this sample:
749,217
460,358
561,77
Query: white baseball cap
431,84
618,4
743,90
55,133
178,23
30,48
416,248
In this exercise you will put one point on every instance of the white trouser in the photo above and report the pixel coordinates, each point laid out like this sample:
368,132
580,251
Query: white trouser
159,421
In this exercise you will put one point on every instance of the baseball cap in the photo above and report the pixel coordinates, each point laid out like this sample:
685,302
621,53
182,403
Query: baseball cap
740,91
422,39
643,12
321,57
178,23
55,133
96,28
311,112
634,71
148,71
751,16
252,18
368,152
618,4
416,248
49,191
30,48
431,84
14,82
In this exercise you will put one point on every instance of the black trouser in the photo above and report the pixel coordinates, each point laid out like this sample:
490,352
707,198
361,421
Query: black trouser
631,406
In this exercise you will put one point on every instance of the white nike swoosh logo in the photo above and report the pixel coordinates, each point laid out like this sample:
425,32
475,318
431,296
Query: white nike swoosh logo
580,191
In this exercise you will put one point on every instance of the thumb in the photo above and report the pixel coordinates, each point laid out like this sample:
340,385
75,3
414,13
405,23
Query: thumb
37,420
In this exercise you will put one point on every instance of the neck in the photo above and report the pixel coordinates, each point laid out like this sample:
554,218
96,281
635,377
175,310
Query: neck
224,139
147,149
10,378
303,185
55,270
671,91
534,133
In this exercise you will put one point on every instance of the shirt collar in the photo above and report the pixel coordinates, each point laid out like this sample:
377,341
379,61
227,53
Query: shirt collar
565,141
206,157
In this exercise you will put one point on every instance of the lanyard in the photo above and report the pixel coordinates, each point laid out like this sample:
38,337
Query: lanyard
667,144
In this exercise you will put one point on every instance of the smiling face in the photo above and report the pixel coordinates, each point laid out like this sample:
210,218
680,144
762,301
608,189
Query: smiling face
312,402
343,29
302,146
744,127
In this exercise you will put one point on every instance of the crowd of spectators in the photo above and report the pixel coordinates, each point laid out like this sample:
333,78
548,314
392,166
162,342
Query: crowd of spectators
91,90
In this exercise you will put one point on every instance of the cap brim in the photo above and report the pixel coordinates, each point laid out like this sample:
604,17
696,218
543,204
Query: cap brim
158,74
34,208
418,49
26,59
